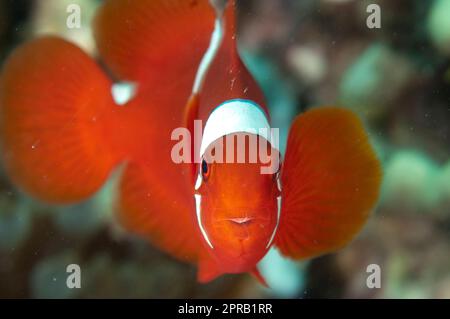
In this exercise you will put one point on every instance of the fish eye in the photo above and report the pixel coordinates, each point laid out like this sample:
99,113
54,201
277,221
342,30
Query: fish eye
205,169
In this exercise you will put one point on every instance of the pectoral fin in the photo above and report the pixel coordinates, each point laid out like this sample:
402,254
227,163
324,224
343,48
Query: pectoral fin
331,179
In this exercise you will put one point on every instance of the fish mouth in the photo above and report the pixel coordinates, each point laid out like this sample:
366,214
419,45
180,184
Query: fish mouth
241,220
240,226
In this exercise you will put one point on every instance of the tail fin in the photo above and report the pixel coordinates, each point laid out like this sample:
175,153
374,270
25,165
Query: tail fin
331,179
55,103
62,136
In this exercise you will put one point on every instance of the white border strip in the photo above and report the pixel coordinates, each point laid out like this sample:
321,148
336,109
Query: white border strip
208,58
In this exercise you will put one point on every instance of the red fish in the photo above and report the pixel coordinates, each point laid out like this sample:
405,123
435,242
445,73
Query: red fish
62,134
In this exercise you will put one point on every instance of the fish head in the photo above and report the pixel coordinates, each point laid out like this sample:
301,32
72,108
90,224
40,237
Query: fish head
238,201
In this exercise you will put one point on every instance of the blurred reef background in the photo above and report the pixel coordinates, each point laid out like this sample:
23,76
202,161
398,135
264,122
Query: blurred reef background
304,53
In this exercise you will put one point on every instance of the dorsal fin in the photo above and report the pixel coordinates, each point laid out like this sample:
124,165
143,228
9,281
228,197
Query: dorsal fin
154,40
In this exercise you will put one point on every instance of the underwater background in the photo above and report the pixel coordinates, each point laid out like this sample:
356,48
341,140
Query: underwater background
304,53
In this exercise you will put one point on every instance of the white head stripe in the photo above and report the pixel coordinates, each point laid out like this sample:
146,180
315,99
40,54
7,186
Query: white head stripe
235,116
198,182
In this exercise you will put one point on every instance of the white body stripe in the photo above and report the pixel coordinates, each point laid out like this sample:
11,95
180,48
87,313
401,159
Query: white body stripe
235,116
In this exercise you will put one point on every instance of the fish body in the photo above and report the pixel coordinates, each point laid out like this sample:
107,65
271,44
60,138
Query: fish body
235,197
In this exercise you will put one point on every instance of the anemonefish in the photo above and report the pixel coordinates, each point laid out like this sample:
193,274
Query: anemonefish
62,134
